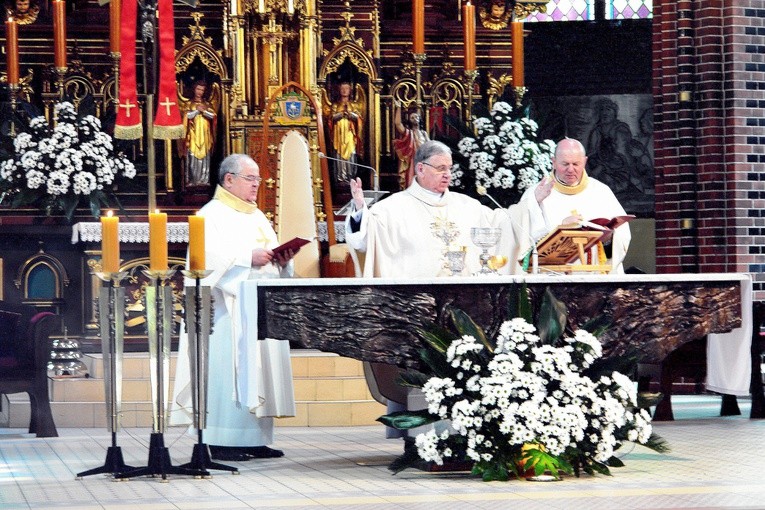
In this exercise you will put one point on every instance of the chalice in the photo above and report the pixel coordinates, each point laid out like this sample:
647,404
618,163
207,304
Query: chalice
456,261
485,238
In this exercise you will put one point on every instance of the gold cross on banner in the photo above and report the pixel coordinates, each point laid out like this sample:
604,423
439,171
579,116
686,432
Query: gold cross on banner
127,106
167,104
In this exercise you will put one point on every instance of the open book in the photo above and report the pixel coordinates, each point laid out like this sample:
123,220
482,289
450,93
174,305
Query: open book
293,244
566,243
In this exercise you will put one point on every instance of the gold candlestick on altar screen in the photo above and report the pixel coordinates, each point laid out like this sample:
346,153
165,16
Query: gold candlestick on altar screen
59,33
12,51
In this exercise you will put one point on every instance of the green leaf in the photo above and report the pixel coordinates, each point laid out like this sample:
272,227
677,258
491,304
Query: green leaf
657,444
552,317
405,420
466,326
412,378
615,462
436,361
69,204
437,337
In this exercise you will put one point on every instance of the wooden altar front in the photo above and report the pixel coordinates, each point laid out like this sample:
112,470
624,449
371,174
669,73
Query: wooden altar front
376,320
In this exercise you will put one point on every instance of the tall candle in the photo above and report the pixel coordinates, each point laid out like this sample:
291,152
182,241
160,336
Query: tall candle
12,51
110,243
418,26
196,243
114,25
468,33
59,33
517,42
158,241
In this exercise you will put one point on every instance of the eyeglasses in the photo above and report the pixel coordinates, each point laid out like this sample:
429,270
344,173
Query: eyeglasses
249,178
442,169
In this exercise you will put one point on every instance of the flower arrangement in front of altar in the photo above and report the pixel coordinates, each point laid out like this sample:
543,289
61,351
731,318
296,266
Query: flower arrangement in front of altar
55,169
504,154
531,402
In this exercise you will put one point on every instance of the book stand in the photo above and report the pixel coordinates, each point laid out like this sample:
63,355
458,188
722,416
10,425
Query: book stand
565,245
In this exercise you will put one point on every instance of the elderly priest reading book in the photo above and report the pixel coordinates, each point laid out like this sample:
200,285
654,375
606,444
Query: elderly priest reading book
569,197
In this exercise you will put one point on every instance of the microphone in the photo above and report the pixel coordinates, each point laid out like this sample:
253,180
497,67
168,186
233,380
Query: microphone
481,190
324,156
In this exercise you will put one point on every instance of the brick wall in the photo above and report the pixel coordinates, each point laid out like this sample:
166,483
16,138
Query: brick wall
709,99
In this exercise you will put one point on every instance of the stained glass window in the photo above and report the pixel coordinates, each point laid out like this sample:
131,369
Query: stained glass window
584,10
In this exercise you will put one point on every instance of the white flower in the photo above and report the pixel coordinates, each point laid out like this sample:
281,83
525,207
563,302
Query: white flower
70,160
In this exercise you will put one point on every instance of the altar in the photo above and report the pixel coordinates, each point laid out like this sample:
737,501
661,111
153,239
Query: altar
376,320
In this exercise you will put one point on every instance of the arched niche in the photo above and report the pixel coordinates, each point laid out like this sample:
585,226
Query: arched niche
41,279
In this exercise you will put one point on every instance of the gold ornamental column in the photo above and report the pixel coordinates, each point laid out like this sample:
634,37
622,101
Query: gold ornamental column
308,45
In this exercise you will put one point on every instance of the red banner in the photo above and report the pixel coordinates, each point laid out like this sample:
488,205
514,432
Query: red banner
128,125
167,122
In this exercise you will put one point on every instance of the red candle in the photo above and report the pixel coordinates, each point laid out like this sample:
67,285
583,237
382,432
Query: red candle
114,25
517,42
12,51
59,33
468,33
418,26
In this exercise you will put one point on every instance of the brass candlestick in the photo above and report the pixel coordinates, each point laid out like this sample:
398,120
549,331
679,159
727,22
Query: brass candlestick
159,321
13,90
198,327
116,56
519,93
60,75
111,318
470,78
419,60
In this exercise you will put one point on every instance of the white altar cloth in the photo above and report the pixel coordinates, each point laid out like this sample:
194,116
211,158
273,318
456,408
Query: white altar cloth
728,359
138,232
729,366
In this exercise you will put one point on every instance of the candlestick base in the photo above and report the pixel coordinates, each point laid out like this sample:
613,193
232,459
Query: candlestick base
159,275
60,75
14,92
196,274
114,277
519,93
470,78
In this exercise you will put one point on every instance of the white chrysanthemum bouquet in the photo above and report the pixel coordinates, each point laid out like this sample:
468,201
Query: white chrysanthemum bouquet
505,156
55,169
529,401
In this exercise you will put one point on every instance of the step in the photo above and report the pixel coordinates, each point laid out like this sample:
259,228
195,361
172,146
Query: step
330,390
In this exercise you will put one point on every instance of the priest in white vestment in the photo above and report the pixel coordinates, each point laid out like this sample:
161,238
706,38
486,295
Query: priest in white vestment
569,196
250,380
410,233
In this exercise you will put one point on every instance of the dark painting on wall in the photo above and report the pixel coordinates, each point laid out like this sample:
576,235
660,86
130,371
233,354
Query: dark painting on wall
617,132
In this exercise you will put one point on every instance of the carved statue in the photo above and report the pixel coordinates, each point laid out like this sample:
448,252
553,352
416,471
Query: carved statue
346,126
200,117
406,144
497,16
23,11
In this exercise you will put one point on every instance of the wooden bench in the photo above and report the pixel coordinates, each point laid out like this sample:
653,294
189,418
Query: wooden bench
24,353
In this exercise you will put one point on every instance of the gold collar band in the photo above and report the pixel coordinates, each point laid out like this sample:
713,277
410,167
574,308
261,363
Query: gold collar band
572,190
234,201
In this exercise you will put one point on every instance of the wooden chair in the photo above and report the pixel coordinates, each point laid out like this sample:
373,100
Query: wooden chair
24,353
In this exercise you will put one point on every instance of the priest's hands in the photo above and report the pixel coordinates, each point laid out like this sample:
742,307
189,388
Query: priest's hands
284,257
544,188
357,193
261,257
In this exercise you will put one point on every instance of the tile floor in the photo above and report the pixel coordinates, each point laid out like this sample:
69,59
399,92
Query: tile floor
714,463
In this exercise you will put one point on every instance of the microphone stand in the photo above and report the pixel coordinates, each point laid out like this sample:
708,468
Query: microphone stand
374,172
